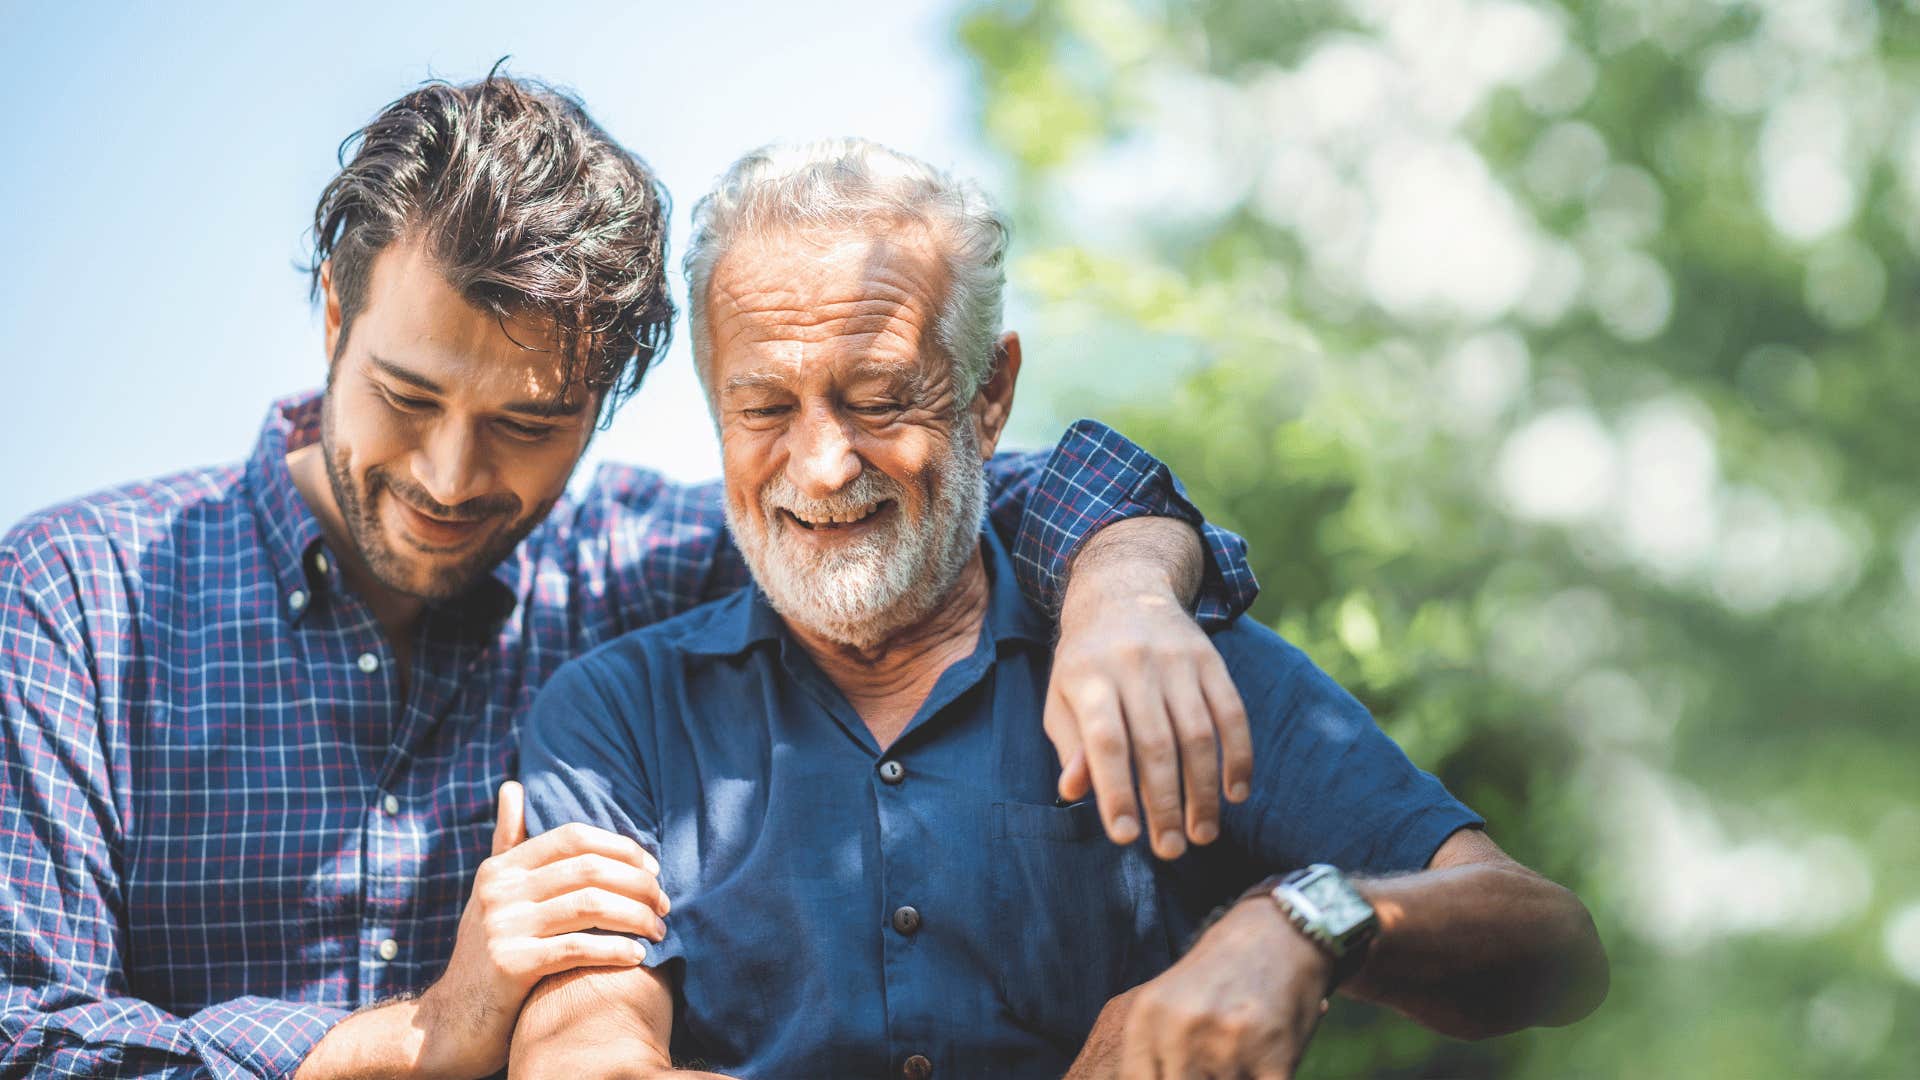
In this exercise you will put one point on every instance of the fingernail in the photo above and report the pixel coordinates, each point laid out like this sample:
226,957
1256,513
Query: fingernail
1173,844
666,905
1125,829
1239,791
1205,832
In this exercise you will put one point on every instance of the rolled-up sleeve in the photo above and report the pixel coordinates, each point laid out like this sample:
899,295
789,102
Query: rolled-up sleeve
65,1006
1329,786
580,762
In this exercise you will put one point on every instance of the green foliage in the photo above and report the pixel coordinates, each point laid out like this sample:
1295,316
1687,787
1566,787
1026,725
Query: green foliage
1557,362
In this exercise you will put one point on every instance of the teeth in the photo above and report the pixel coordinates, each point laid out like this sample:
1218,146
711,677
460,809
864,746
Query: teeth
840,517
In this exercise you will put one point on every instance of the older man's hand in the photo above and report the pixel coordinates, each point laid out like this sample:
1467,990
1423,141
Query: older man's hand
1137,687
1244,1002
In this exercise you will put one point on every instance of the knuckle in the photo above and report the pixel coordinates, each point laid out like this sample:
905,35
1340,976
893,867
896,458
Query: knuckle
1156,747
1197,741
1105,740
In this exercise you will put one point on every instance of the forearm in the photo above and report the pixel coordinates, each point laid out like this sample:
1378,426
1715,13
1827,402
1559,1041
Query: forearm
597,1024
1481,949
385,1041
1143,557
1100,1055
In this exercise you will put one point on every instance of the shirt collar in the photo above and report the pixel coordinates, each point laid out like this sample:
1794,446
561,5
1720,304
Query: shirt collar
748,618
293,536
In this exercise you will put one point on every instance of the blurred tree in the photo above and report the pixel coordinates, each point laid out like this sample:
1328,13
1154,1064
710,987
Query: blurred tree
1557,361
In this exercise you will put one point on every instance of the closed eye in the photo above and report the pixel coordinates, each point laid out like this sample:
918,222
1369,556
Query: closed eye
405,403
526,432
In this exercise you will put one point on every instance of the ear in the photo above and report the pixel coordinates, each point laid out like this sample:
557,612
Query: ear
994,402
332,312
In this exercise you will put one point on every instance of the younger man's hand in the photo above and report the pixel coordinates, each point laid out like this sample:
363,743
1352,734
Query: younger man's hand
1139,692
534,905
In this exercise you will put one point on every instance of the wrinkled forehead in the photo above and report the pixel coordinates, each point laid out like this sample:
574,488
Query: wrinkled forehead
799,298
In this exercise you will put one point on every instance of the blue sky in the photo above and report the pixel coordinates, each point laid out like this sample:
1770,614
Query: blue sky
162,168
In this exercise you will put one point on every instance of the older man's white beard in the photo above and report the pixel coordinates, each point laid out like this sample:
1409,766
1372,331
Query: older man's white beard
860,593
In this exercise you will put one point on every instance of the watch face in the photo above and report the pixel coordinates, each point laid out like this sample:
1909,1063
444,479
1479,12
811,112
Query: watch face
1340,907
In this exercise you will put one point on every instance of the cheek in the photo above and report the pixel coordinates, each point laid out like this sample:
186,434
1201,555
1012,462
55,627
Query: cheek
366,440
748,459
540,478
909,455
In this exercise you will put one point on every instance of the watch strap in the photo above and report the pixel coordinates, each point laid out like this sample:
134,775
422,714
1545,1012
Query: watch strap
1346,961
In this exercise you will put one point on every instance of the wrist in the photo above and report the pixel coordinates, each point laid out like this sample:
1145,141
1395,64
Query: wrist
1143,557
383,1040
1258,925
432,1046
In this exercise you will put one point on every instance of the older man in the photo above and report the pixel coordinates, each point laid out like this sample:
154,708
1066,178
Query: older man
840,768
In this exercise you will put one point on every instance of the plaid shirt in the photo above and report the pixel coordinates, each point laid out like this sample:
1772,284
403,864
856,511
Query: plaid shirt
222,826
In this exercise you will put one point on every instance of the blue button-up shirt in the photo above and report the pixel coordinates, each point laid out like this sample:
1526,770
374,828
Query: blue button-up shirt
222,823
791,843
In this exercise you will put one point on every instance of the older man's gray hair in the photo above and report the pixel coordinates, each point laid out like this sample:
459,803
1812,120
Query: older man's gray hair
850,185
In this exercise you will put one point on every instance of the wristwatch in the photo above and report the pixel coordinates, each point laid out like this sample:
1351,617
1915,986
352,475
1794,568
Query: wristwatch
1320,903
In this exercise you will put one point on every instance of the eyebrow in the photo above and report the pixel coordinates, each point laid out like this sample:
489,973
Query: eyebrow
544,409
754,380
909,377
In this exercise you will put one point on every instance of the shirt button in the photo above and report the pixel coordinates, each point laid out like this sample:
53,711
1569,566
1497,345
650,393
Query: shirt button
906,920
320,561
389,949
369,663
892,771
917,1067
391,804
297,599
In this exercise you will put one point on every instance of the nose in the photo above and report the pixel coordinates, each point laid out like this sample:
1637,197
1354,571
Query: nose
820,457
450,466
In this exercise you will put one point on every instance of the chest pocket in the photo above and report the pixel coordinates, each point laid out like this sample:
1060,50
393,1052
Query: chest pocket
1081,917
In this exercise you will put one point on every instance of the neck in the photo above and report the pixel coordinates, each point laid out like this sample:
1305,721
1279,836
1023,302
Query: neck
887,681
396,612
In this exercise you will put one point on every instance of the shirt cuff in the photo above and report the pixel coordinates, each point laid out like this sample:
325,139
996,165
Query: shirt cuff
259,1037
1111,479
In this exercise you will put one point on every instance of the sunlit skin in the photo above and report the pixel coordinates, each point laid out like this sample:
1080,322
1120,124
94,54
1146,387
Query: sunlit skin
446,439
822,363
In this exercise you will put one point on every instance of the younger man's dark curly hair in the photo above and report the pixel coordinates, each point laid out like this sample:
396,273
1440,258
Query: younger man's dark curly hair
527,207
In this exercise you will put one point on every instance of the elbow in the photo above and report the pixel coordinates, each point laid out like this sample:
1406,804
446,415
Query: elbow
1585,975
1563,980
1571,974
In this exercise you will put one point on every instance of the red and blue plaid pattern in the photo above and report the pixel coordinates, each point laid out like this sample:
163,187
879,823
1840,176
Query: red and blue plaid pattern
222,826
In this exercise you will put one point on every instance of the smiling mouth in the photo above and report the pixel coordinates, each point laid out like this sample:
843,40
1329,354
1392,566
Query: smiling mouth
438,533
832,522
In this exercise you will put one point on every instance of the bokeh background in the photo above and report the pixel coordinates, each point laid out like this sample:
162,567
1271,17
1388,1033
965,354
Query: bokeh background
1557,359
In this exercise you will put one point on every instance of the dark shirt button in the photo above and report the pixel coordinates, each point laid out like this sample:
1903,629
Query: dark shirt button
917,1067
907,921
892,771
